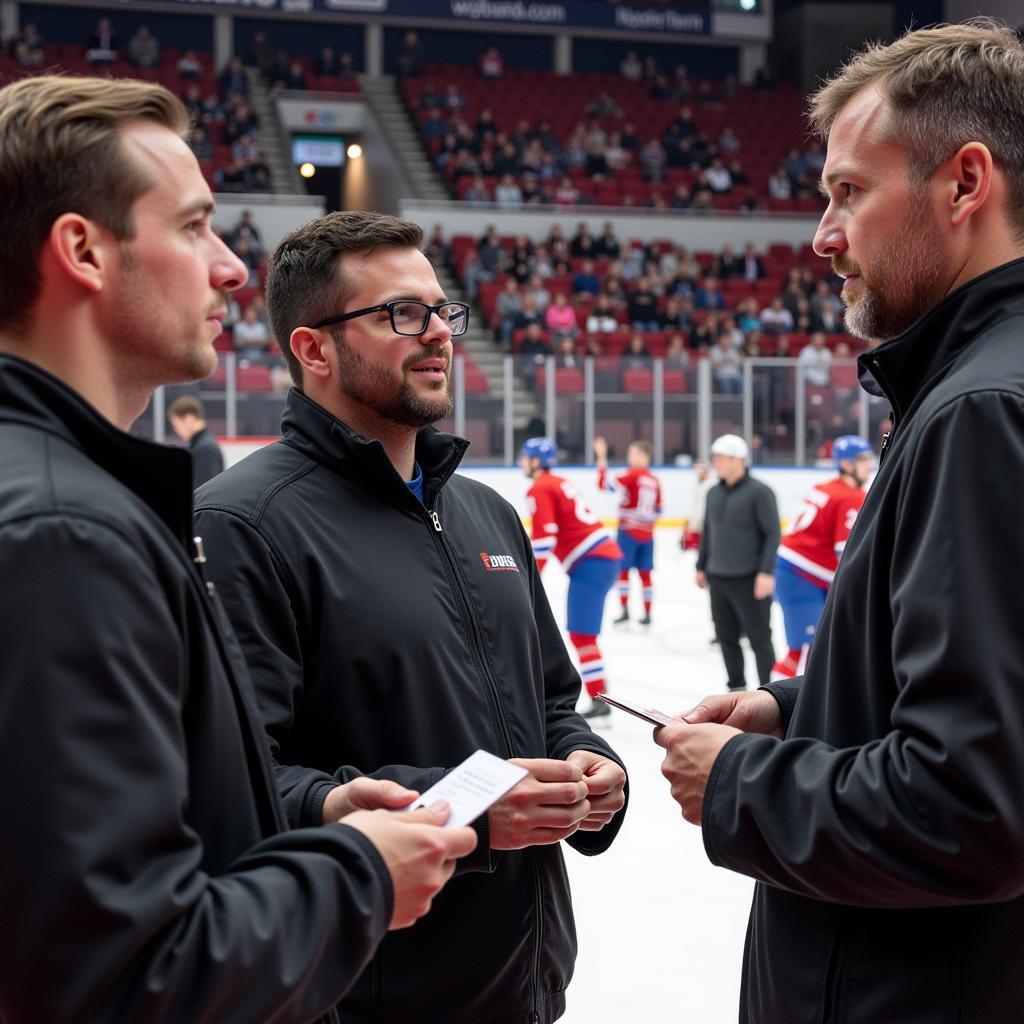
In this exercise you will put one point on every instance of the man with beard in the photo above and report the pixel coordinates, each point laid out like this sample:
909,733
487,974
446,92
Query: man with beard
395,622
879,799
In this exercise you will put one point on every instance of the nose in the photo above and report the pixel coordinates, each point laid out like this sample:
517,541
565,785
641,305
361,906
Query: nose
437,332
829,239
227,271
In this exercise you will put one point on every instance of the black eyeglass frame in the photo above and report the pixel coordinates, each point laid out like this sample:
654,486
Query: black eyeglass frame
390,307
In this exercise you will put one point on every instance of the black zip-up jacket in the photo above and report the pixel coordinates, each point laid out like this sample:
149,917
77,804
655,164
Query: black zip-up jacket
887,830
142,880
741,529
395,638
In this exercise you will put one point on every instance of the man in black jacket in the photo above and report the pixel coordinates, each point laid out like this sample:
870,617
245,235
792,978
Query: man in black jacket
879,800
396,622
188,421
736,559
147,875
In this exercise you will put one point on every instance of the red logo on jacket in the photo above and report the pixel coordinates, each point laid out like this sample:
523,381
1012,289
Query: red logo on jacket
498,563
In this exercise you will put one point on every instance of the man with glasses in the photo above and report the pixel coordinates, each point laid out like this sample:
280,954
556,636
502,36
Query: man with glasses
395,622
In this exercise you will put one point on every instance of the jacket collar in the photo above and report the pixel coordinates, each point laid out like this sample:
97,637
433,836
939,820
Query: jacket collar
322,437
901,368
160,476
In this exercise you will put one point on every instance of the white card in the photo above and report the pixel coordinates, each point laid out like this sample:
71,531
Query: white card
472,787
652,715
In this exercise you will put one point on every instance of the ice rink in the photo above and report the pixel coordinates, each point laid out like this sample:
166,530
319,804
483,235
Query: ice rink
660,930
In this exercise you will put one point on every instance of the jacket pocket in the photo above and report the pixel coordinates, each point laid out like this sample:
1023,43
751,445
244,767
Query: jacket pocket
833,981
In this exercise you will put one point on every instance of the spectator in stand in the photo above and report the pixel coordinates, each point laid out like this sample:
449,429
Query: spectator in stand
27,47
728,141
193,100
200,144
327,63
816,362
616,156
586,281
814,155
486,127
245,252
783,346
740,178
531,314
574,154
277,72
245,151
296,79
613,286
566,356
521,259
252,338
491,63
795,165
643,307
533,350
240,120
718,177
705,333
681,198
779,185
144,48
409,60
753,268
566,194
259,303
631,68
660,89
230,178
541,262
603,105
595,165
709,295
536,290
607,243
823,298
726,362
677,314
703,197
747,316
728,326
677,357
682,88
261,53
582,244
103,45
453,99
189,66
259,180
478,192
434,127
486,263
728,263
826,318
560,319
437,249
776,318
650,67
507,306
803,317
652,160
602,319
750,203
245,229
636,355
234,79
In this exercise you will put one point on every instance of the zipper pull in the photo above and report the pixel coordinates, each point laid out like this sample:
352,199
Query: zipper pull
884,444
434,519
199,558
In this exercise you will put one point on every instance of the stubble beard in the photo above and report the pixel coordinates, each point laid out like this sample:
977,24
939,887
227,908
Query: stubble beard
908,278
396,402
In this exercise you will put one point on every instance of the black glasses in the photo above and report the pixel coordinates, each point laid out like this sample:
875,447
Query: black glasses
410,317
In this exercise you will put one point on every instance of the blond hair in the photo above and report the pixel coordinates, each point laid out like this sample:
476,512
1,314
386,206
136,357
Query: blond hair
61,152
945,86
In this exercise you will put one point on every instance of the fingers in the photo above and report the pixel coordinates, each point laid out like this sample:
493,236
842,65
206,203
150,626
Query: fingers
715,708
458,842
546,769
369,794
436,814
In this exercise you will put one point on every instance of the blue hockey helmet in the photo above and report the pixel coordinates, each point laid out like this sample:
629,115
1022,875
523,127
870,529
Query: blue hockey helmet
543,449
849,446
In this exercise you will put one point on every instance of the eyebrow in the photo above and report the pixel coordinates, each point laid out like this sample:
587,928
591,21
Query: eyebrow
833,176
199,206
415,298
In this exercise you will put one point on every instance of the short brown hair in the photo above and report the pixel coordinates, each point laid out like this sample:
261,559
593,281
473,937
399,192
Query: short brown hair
186,405
61,152
643,446
945,86
304,282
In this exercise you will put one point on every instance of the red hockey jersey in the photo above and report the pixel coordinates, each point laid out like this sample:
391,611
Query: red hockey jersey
564,525
641,500
816,538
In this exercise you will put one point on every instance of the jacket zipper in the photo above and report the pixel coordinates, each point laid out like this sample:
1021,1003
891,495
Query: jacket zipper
495,702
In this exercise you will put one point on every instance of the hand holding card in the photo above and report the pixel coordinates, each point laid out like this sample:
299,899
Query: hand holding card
652,715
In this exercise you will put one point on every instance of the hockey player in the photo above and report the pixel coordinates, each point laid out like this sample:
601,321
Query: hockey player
809,553
640,492
564,526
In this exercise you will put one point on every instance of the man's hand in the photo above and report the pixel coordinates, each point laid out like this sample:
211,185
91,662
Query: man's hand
600,449
546,807
764,586
702,580
691,751
420,856
606,782
757,711
365,795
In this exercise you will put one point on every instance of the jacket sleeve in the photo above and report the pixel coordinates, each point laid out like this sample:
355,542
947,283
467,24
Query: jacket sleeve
261,597
932,813
566,730
767,512
109,915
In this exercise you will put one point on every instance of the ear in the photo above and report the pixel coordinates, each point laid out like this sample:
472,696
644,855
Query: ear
315,350
79,248
970,176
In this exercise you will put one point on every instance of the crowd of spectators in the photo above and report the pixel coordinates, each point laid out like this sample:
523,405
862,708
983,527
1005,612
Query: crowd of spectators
598,295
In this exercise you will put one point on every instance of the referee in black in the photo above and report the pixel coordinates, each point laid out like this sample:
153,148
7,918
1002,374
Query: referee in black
737,558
